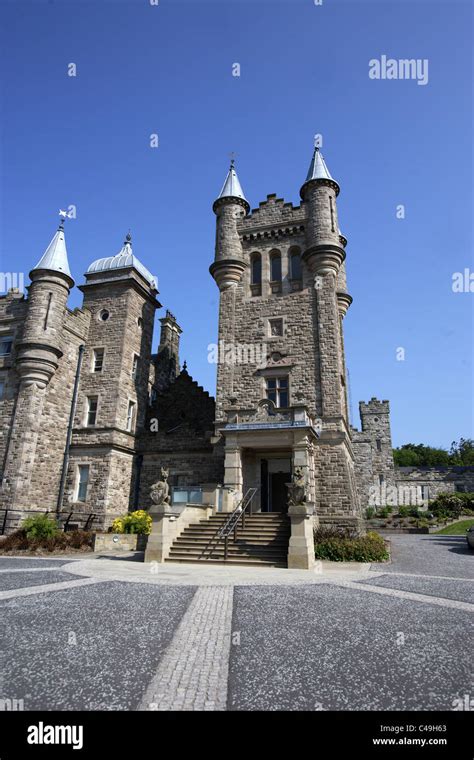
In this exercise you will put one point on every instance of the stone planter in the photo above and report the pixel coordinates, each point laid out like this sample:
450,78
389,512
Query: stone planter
119,542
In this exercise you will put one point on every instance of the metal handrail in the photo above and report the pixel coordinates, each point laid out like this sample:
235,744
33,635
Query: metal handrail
88,517
230,524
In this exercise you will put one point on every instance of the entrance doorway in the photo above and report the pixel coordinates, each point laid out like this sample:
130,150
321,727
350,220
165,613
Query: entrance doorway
274,475
278,491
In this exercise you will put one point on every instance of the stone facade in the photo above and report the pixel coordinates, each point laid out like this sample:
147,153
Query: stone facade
281,276
281,398
431,481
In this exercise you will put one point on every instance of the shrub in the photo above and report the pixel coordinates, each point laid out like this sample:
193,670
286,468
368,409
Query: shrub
403,511
384,511
15,541
452,505
80,539
133,522
421,522
74,539
369,513
339,546
40,526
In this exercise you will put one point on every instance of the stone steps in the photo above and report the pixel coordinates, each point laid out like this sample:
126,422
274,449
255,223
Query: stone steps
263,541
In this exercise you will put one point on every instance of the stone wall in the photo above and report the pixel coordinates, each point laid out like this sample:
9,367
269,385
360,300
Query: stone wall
436,479
46,474
182,444
13,307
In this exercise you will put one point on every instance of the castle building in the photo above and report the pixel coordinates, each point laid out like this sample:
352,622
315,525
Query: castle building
89,415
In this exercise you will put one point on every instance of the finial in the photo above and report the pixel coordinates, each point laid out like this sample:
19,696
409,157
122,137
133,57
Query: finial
232,159
128,238
184,366
63,215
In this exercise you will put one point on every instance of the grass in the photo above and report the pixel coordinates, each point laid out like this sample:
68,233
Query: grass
456,529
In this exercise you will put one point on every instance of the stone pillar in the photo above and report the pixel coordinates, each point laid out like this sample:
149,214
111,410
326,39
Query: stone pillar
233,466
303,456
301,546
162,533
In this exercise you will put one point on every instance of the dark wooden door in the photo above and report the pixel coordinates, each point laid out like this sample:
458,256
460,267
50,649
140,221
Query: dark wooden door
279,491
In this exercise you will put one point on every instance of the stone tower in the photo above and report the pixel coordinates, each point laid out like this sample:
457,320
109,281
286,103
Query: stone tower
373,445
120,294
39,348
167,359
281,393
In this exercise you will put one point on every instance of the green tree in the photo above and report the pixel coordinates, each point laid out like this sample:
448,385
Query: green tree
462,452
419,455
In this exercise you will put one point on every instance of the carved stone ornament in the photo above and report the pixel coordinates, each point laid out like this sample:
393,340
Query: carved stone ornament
159,492
297,488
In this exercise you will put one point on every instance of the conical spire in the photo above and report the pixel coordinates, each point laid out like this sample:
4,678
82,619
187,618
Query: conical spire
55,256
317,167
232,187
319,170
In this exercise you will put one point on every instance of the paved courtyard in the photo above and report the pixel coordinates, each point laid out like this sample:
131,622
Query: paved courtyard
111,633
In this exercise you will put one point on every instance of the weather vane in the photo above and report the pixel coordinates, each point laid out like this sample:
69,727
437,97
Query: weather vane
64,215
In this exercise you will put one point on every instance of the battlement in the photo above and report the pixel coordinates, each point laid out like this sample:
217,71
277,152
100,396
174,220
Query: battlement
375,416
374,406
274,214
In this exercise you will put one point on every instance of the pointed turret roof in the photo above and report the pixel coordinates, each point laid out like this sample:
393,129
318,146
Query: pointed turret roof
318,169
55,256
232,187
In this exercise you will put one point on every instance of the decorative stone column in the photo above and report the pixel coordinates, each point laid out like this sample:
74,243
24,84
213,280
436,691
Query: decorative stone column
301,546
233,465
162,533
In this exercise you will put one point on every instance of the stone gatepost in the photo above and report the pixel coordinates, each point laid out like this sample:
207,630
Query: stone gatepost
301,546
162,533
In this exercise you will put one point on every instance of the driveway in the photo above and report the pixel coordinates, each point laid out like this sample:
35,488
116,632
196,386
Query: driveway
112,633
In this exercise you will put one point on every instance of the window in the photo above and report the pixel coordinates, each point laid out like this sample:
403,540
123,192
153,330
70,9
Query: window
381,480
91,411
6,343
131,416
104,315
425,493
135,366
98,362
276,327
82,482
379,444
295,265
275,267
153,396
277,390
2,389
256,269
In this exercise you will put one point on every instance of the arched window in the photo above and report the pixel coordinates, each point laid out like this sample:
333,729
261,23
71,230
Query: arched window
295,265
275,267
256,269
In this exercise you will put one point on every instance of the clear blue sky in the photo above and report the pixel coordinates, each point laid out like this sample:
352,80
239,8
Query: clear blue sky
167,69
